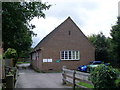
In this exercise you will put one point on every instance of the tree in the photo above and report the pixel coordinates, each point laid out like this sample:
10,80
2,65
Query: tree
101,45
115,34
16,31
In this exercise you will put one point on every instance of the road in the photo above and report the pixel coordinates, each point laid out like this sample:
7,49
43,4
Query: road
28,78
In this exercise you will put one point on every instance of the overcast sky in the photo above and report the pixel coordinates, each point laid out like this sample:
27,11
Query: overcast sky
91,16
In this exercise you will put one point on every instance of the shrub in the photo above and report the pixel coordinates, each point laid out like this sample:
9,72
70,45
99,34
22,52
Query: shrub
11,53
117,82
104,77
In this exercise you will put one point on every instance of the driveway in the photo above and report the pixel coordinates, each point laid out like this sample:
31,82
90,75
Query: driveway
28,78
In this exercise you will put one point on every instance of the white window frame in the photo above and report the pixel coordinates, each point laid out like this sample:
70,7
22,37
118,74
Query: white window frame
68,57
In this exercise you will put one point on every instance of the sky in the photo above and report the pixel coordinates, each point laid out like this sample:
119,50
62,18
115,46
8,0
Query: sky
91,16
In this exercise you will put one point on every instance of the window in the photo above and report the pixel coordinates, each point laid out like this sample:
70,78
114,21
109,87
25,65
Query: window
35,56
70,55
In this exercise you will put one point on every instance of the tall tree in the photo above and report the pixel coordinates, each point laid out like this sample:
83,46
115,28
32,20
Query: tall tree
16,31
115,33
101,44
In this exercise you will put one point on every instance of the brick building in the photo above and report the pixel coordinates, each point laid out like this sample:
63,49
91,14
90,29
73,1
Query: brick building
66,45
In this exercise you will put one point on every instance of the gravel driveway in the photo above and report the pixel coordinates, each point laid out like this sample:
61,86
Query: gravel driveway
28,78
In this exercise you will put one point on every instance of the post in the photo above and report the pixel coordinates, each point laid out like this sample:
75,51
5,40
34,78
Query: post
74,80
10,81
64,75
11,62
15,75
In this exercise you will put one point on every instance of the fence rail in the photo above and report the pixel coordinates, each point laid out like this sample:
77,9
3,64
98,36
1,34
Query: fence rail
73,77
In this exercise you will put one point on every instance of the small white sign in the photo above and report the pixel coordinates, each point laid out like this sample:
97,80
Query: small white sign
44,60
47,60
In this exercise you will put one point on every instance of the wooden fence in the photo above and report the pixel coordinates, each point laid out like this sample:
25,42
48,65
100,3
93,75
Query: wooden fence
73,77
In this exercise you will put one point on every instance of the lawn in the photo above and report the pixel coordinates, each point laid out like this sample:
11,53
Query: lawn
85,85
22,62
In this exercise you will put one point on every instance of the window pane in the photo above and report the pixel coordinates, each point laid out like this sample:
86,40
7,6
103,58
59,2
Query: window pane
62,54
77,54
73,54
62,57
69,54
66,55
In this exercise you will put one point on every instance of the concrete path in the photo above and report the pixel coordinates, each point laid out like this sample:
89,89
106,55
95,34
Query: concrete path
30,79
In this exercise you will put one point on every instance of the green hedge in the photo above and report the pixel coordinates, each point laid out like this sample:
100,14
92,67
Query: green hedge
104,77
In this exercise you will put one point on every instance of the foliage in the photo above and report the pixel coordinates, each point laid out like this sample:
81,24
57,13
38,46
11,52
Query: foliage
101,45
16,31
10,70
115,33
117,82
108,49
10,53
104,77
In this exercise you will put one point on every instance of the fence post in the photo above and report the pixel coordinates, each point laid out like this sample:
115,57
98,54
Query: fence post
74,79
15,75
64,75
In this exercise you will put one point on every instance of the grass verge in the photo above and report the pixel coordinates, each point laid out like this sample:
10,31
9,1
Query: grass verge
22,62
85,85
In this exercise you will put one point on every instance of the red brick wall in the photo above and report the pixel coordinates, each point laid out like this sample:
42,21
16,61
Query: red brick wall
67,36
61,40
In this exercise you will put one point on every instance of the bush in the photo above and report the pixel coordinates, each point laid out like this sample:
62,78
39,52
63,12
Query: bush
104,77
10,53
117,82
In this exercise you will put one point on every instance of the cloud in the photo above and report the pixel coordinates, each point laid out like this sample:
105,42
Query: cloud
61,8
43,27
91,16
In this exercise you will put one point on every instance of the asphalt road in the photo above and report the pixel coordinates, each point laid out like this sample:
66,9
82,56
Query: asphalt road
28,78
